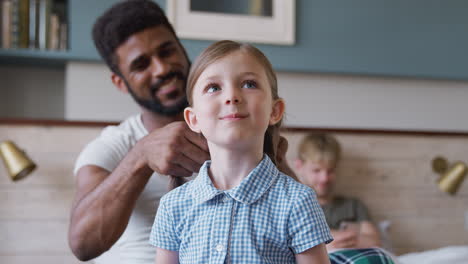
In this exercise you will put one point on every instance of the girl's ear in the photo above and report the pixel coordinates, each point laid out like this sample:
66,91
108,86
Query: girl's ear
277,111
191,119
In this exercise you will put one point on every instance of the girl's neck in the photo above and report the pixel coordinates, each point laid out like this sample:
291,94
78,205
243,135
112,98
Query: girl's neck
229,167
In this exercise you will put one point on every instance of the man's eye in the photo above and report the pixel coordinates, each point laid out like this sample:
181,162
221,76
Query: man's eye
140,65
249,85
166,52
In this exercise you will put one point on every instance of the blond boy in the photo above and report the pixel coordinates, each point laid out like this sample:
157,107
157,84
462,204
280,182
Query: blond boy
348,219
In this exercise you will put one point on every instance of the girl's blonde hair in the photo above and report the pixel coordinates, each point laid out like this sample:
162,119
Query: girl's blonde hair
221,49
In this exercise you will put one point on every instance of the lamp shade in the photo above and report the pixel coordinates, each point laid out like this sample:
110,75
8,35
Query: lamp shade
16,161
452,179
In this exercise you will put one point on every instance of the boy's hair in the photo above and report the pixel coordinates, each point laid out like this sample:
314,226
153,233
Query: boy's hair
320,147
120,22
220,50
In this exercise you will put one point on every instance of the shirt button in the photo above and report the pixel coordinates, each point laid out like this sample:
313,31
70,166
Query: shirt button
219,247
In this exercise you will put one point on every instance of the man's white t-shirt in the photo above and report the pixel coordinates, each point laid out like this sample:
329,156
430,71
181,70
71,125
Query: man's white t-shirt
106,151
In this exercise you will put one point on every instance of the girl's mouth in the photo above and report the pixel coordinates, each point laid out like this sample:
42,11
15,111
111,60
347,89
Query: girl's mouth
235,116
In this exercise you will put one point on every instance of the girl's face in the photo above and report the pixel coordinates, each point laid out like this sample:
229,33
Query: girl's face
232,102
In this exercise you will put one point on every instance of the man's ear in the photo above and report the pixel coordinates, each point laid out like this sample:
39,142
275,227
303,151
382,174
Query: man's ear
277,111
191,119
119,82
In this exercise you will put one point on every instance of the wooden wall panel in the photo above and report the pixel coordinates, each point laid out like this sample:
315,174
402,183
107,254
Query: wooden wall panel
34,212
34,236
62,259
391,173
35,203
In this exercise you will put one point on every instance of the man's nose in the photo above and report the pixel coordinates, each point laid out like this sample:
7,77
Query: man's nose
159,68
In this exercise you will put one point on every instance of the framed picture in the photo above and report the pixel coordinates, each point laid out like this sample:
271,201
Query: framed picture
260,21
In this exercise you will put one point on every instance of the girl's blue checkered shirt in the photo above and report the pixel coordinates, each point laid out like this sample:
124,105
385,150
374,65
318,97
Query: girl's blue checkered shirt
268,218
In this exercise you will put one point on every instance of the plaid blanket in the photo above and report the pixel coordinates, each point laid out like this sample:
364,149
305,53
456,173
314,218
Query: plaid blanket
360,256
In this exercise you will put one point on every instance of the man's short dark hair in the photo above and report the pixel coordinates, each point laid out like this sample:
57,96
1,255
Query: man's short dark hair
120,22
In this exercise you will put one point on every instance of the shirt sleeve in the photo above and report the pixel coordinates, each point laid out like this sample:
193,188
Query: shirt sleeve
163,233
106,151
307,225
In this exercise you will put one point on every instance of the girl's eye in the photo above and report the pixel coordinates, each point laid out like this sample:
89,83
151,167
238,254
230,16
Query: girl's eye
249,85
212,88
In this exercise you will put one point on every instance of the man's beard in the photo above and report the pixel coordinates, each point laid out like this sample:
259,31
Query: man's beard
154,105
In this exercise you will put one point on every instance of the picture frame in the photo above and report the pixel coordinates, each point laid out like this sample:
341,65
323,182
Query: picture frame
279,28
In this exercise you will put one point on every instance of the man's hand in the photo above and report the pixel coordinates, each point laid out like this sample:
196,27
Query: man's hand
174,150
343,239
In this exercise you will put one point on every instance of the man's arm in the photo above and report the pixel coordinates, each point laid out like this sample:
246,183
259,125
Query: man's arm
102,206
317,254
105,200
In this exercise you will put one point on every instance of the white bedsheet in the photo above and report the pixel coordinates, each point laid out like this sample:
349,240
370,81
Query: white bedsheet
445,255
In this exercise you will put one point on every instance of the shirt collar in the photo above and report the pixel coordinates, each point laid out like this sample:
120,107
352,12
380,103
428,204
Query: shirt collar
248,191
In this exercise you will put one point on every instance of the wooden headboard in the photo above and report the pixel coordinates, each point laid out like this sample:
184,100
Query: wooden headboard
390,172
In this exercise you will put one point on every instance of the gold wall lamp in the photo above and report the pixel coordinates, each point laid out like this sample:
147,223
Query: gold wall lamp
451,177
17,163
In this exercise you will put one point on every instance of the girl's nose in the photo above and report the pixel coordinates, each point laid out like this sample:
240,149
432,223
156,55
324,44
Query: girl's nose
233,96
232,101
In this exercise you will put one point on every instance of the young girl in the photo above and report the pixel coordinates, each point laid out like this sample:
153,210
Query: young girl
240,208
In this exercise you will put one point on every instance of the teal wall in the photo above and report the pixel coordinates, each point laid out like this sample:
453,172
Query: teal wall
409,38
